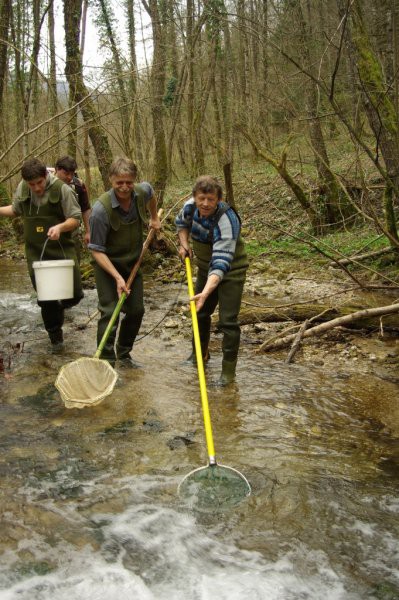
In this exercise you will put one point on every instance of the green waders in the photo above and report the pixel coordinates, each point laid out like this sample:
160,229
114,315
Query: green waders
133,309
124,244
228,296
37,221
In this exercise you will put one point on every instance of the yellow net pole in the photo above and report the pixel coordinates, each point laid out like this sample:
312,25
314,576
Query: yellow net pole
200,366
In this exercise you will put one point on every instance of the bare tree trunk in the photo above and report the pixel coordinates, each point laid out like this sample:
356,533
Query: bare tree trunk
72,98
52,88
19,84
395,51
74,74
190,84
200,111
228,77
379,108
85,6
331,207
118,73
158,71
243,65
228,184
135,132
31,91
264,109
26,84
5,18
86,160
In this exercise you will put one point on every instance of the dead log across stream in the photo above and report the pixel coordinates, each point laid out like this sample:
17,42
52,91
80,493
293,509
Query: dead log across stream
360,257
358,316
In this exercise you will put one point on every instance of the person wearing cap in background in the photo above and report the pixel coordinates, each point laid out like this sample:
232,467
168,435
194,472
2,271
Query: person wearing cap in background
49,211
220,255
65,169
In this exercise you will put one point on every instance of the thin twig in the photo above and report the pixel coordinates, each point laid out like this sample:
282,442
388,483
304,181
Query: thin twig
297,341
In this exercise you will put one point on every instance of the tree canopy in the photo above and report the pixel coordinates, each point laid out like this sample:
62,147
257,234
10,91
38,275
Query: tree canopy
294,83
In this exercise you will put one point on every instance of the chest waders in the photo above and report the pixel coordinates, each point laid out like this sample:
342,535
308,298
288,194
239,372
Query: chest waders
124,243
37,221
228,295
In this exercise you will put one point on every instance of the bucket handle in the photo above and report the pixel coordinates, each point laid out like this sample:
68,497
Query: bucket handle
44,247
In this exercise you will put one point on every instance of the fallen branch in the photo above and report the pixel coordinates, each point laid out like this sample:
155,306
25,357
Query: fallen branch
314,312
297,341
86,323
297,328
340,321
360,257
298,302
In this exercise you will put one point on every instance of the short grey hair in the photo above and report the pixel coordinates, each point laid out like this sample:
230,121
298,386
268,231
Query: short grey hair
123,166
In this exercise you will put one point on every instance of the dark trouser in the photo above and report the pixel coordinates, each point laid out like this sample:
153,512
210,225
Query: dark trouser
52,315
133,309
228,295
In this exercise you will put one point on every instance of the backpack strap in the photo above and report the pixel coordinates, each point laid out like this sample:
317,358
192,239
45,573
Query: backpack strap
221,210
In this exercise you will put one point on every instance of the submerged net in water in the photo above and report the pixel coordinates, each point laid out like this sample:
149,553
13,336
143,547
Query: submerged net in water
85,382
214,488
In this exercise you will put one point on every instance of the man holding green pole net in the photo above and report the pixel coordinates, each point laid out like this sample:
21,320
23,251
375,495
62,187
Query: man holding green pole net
116,224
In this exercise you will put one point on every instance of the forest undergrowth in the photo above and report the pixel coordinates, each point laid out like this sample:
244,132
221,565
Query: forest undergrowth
273,225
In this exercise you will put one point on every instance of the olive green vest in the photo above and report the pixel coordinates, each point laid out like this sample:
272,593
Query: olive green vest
203,255
125,240
37,220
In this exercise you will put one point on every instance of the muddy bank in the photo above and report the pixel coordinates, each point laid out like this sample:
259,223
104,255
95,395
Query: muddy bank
282,284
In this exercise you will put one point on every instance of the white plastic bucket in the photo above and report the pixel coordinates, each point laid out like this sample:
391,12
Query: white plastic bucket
54,279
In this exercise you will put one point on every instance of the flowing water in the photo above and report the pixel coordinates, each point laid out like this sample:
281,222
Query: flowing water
89,499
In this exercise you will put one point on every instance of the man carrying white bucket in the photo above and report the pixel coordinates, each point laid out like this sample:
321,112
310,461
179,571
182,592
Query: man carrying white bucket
50,212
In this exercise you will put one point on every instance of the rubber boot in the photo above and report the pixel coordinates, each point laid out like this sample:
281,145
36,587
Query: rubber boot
56,336
125,361
123,352
192,359
123,355
128,363
204,335
228,372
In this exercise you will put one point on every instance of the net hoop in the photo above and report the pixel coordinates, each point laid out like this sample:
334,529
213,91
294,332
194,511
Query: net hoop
214,488
85,382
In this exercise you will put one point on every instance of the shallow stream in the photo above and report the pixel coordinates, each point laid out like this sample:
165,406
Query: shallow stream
89,499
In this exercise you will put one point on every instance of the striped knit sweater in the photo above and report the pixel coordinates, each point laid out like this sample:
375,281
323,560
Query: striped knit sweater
226,231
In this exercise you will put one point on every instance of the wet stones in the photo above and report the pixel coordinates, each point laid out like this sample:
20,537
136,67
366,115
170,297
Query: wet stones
46,401
119,428
181,441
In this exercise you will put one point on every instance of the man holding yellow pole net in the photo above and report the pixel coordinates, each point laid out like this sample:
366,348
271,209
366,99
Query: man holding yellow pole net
220,255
